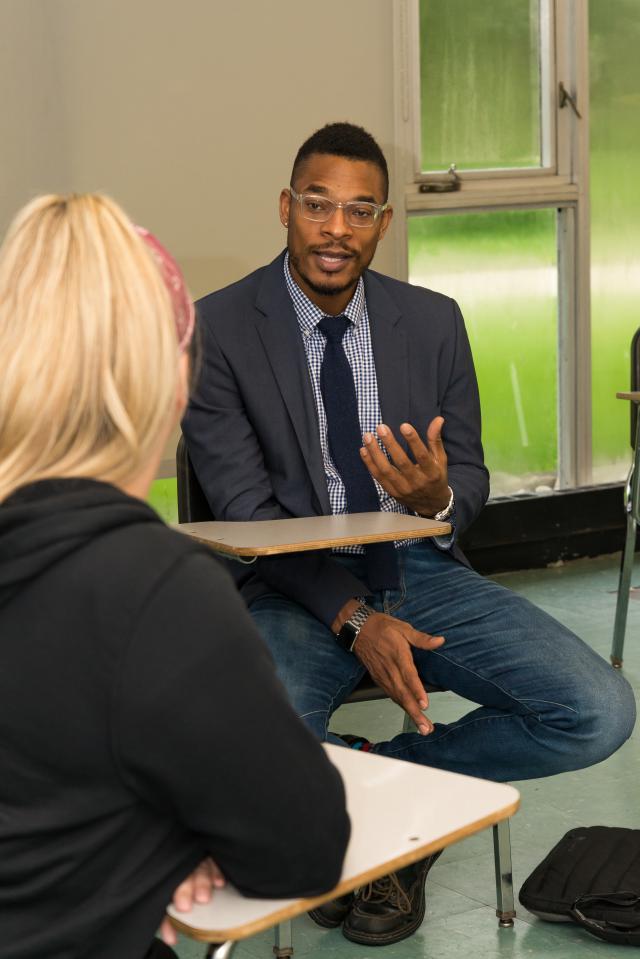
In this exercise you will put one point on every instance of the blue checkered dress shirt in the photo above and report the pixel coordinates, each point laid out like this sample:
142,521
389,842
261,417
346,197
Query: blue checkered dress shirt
357,346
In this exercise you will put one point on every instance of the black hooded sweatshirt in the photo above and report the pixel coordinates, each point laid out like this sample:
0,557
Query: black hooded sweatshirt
141,727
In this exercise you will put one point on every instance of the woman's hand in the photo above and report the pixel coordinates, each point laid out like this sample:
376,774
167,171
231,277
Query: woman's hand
196,888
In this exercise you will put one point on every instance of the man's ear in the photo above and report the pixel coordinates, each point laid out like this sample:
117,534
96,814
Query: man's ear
285,207
386,219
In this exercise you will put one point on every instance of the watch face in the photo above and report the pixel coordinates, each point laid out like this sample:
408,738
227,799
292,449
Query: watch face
349,632
347,636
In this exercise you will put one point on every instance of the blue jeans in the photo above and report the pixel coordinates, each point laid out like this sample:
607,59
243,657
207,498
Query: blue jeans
546,702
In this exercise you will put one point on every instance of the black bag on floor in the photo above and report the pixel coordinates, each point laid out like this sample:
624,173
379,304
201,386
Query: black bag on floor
592,877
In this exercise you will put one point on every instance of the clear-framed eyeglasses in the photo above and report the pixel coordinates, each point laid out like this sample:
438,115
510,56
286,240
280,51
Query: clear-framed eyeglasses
357,213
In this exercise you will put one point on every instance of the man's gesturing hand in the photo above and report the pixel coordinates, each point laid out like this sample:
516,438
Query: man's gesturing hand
196,888
421,486
384,647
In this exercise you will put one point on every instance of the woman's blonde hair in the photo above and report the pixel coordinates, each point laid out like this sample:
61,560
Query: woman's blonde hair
88,344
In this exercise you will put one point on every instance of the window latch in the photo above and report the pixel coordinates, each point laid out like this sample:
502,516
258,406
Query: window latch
443,186
565,97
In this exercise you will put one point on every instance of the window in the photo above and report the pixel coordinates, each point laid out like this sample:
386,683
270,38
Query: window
498,93
480,84
614,40
503,268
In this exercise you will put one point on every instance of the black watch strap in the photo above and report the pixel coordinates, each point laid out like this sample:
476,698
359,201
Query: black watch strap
350,630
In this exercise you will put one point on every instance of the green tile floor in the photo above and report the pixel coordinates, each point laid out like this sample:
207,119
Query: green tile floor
461,918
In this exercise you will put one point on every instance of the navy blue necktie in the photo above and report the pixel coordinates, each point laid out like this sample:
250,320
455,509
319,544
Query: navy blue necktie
345,440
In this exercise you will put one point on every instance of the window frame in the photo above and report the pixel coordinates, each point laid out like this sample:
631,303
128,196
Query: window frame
561,183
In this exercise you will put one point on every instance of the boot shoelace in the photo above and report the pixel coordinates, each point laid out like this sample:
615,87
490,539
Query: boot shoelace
387,889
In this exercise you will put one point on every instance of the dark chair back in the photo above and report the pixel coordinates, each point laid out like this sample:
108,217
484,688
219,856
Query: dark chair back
635,382
192,503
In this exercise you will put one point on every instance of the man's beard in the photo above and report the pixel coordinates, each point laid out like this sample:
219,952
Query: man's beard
320,288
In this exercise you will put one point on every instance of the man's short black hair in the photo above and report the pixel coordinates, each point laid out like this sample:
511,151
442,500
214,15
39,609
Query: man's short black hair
344,140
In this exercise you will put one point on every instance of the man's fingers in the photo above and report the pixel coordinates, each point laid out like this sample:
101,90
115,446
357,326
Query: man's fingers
409,693
412,681
398,456
401,693
422,455
378,465
405,698
434,436
377,456
413,696
424,640
405,689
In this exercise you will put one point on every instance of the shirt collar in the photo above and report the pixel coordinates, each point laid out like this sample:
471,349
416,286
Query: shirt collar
309,315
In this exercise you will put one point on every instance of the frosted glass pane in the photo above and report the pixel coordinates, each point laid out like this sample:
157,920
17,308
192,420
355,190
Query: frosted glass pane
615,223
502,269
480,84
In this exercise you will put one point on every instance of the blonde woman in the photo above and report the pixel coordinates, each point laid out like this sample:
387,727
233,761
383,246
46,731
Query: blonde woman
141,724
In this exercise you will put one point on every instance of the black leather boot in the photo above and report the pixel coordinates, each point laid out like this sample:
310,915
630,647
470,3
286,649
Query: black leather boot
332,914
391,908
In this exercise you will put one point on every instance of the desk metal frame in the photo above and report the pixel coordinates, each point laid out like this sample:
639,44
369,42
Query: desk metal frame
632,511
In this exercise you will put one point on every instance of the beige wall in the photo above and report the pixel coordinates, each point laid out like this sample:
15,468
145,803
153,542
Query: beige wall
32,136
188,113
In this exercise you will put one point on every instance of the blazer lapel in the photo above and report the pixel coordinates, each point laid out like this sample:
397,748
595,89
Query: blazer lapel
389,342
277,326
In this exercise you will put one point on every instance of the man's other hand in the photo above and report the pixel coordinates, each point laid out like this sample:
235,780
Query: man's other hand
422,485
384,646
196,888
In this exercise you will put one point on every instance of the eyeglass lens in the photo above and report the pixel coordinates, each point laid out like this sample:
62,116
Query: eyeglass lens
320,209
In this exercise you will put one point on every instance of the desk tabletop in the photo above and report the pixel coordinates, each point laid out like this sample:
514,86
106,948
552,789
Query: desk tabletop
634,396
268,537
400,812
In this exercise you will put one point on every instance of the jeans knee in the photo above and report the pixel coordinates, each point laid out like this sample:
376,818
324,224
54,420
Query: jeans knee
604,718
318,723
618,716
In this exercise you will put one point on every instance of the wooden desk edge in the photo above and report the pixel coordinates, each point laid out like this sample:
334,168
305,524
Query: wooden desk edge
220,547
304,905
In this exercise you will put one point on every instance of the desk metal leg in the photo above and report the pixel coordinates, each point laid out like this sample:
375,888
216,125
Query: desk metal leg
283,947
220,950
632,508
505,912
622,601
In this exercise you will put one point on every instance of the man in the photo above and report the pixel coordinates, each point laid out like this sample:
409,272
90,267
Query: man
327,387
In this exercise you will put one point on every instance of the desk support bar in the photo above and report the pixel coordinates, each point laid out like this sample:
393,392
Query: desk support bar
504,873
632,511
283,947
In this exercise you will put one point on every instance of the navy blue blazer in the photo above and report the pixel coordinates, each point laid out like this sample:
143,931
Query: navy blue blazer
251,426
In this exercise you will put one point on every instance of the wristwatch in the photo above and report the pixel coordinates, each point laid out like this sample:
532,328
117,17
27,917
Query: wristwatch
448,510
350,630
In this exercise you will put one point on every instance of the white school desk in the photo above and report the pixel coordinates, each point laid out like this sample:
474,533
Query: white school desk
271,537
400,812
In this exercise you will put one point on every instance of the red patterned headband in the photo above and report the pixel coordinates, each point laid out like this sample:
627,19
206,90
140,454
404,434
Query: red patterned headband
183,310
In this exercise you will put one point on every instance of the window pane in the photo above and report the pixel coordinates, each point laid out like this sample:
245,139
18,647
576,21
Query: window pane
615,224
502,269
480,84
